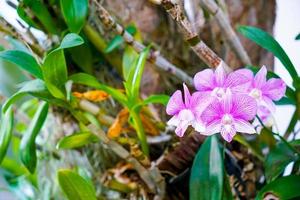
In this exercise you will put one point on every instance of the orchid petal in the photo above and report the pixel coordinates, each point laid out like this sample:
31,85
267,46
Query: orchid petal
260,77
244,107
187,95
175,103
204,80
181,128
239,81
227,102
174,121
263,113
268,103
212,128
198,126
228,134
212,112
199,102
243,126
220,75
274,89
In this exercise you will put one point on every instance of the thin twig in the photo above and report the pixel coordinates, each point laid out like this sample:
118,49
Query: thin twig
191,37
7,28
154,56
151,177
227,30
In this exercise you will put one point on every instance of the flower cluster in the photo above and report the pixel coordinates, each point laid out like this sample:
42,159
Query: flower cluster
225,103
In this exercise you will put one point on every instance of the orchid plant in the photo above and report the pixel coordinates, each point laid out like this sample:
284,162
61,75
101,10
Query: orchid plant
225,103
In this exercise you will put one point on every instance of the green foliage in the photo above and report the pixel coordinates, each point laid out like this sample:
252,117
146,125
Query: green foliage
133,82
89,80
118,40
74,186
28,146
277,160
76,140
35,87
266,41
27,8
84,62
158,98
6,129
297,37
24,61
207,176
54,67
74,12
282,188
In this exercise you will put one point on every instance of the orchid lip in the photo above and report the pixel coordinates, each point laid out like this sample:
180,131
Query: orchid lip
218,92
256,93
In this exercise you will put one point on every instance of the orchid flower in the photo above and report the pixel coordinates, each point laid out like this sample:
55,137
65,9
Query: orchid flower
265,91
230,115
217,82
186,112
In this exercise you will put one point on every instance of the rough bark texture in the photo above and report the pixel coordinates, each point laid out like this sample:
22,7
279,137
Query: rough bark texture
156,26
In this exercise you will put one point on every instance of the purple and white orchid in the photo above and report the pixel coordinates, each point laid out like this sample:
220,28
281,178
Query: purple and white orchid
230,115
187,112
216,83
265,91
225,103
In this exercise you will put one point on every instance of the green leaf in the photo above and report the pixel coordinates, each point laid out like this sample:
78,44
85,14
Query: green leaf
55,68
266,41
76,140
35,87
74,186
6,129
23,60
89,80
282,188
135,75
118,40
227,194
277,160
114,43
207,175
84,62
27,145
129,59
14,167
17,45
74,12
27,8
297,37
157,98
285,101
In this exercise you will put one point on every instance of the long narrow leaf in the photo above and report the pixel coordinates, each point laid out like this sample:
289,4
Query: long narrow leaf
27,146
207,176
24,61
74,186
7,121
266,41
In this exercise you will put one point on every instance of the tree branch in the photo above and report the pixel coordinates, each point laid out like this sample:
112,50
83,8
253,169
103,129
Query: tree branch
191,37
154,56
151,177
227,30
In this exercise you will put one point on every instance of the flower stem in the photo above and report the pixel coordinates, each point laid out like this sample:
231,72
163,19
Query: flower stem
140,131
281,138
